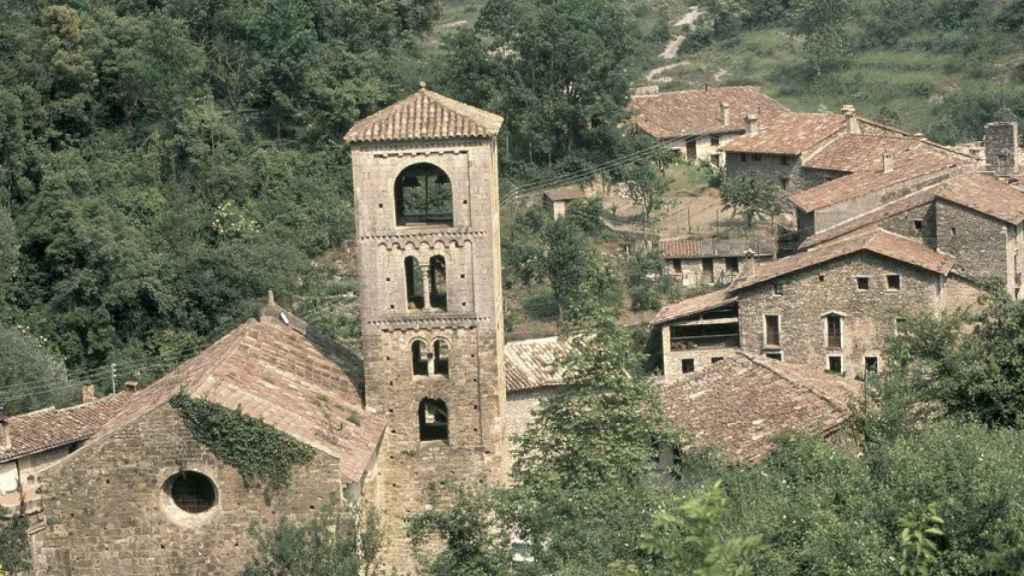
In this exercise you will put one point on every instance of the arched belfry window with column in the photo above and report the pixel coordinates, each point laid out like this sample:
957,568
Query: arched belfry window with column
433,416
438,283
423,195
414,296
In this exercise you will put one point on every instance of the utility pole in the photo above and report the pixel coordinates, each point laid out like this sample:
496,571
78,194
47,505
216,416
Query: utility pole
113,378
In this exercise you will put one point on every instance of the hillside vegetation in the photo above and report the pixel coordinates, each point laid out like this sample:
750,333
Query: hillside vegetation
942,67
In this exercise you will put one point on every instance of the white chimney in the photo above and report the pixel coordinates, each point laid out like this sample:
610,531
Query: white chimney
888,163
753,126
131,386
852,124
5,431
88,393
724,113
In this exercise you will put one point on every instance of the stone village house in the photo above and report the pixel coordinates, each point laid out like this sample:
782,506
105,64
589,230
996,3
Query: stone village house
697,123
433,400
888,225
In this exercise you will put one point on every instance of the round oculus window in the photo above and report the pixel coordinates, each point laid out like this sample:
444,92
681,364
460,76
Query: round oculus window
192,492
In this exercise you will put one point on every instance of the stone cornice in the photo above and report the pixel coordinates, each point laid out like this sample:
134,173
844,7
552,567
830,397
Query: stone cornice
428,321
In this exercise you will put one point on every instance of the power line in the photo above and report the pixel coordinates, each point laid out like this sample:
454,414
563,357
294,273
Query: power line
586,173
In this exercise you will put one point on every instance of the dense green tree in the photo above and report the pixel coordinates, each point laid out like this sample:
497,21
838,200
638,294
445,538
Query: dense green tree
974,373
559,71
31,375
648,284
585,283
823,26
167,163
753,198
8,257
339,540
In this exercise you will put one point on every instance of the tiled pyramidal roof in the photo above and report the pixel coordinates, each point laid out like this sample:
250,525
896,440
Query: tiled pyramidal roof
425,115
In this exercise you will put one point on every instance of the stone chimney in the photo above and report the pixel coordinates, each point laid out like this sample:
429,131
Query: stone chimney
852,124
5,431
753,125
749,262
1001,141
888,163
88,393
723,113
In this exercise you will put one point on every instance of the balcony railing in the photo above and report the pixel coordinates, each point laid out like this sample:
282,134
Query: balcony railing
704,342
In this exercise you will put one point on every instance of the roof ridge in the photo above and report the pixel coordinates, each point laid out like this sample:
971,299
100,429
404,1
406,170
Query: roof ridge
765,363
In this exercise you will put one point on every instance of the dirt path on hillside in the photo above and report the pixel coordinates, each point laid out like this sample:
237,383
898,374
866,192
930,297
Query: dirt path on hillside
671,50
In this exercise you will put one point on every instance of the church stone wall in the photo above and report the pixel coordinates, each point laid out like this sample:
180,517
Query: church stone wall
107,511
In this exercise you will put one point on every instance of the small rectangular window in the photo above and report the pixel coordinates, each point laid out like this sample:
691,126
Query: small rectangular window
863,283
953,230
870,364
777,288
772,330
714,141
743,157
732,264
900,326
677,265
784,160
835,364
892,281
687,365
757,157
784,183
773,355
918,225
716,360
821,277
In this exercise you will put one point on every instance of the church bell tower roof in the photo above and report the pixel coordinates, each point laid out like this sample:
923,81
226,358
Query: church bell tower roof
425,115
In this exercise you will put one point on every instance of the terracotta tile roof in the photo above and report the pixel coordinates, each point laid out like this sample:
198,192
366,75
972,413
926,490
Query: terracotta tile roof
859,184
51,428
425,115
986,194
881,242
693,112
713,247
694,305
789,133
979,192
739,404
275,372
857,152
870,218
537,363
567,192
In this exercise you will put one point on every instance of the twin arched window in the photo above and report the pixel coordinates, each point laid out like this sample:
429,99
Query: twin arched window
430,360
423,195
434,278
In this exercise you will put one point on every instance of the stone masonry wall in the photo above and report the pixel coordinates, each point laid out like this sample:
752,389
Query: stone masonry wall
672,360
868,315
904,224
768,167
978,242
108,512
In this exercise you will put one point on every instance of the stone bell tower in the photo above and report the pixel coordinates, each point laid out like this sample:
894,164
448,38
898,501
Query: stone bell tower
425,175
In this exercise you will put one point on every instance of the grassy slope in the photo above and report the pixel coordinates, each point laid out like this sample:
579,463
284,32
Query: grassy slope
904,87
